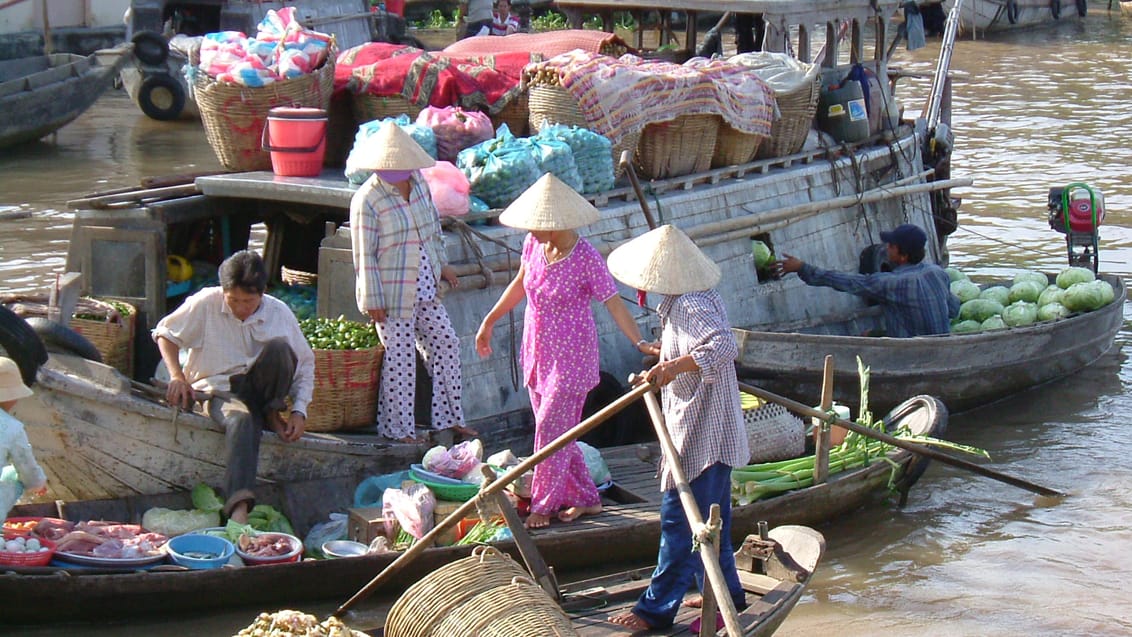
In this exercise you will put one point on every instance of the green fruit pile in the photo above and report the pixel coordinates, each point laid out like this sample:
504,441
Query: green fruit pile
339,333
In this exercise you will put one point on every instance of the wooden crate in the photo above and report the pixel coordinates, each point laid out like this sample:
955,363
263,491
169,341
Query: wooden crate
365,524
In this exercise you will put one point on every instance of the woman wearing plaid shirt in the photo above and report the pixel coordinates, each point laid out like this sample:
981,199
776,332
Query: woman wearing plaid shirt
700,397
399,259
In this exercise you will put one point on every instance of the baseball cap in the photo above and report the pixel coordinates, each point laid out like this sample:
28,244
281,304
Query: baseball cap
908,237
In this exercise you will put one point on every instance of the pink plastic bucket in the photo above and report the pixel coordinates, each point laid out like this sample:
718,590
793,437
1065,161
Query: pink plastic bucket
296,138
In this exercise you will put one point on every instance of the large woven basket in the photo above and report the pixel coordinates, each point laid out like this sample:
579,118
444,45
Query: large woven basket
550,104
114,339
516,115
234,116
733,147
517,608
682,146
423,606
772,432
788,133
370,107
345,388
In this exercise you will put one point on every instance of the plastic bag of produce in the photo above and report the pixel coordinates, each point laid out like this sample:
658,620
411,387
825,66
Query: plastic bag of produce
172,522
456,462
455,129
555,157
421,134
593,154
449,188
499,170
334,529
409,509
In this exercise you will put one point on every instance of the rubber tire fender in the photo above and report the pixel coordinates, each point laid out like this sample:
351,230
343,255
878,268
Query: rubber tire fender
1082,7
59,337
156,82
150,48
1055,9
21,344
1012,11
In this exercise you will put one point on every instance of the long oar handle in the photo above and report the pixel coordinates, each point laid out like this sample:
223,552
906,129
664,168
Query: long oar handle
495,487
922,450
709,551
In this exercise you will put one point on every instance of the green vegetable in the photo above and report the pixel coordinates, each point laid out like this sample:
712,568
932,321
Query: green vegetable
1052,294
264,517
998,293
763,256
993,323
966,327
1088,296
1020,313
1052,311
1071,275
172,522
954,275
1027,291
1035,277
234,530
965,290
339,333
979,310
205,499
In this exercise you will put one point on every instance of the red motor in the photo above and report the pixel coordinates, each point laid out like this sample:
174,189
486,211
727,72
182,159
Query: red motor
1077,211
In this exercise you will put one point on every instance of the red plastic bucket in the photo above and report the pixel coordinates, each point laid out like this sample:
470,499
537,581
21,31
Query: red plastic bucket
396,7
296,138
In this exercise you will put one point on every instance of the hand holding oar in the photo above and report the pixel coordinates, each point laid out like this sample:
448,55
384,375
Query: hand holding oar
495,487
709,551
922,450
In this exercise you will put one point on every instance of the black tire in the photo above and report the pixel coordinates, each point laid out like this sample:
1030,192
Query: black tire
150,48
59,337
21,344
873,259
161,97
1012,11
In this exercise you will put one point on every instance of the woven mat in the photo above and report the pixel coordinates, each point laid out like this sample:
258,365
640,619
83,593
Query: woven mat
620,96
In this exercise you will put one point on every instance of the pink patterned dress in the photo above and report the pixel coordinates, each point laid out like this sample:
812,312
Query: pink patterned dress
560,364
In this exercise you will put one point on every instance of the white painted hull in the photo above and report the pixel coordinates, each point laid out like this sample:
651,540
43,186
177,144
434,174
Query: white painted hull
993,15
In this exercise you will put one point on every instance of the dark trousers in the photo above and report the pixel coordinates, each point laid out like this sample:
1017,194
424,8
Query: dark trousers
243,414
749,29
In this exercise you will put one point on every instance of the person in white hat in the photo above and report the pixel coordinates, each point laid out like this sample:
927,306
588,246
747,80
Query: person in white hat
560,273
700,396
399,259
19,470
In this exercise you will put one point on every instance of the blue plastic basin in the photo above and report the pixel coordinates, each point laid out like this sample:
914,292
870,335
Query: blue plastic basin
182,548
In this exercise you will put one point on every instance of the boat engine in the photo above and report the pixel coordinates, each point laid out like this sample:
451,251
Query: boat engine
1077,210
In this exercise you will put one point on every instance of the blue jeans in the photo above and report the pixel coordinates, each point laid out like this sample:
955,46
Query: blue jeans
677,566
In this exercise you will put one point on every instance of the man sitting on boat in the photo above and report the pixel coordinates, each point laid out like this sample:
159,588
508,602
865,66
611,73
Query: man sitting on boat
916,295
701,411
246,354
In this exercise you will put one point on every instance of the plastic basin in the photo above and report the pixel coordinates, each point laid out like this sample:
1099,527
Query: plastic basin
199,551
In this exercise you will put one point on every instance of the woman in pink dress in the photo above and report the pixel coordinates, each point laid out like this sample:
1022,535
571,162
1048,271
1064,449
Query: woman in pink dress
560,274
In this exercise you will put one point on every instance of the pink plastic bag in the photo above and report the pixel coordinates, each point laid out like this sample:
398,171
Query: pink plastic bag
410,509
449,187
455,129
456,462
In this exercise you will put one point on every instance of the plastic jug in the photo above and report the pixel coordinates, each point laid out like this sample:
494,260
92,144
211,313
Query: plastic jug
842,112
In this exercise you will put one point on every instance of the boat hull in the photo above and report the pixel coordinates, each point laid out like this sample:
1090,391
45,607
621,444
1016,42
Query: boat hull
995,15
964,371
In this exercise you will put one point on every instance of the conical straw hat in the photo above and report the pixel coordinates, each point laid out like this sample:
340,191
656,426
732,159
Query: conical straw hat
549,204
12,386
664,261
391,148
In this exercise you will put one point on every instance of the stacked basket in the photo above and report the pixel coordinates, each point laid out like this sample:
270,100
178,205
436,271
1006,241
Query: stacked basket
682,146
234,115
345,388
734,147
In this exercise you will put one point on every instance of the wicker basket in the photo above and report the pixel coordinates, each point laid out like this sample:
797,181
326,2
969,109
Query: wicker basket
773,433
297,277
516,115
733,147
234,115
788,133
345,388
517,608
549,104
424,605
113,338
682,146
370,107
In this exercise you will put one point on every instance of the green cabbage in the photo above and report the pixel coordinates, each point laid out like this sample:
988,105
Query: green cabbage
994,323
954,275
1020,313
205,499
1107,293
965,290
1082,297
1051,294
979,310
172,522
763,256
1037,277
1027,291
1072,275
999,293
1052,311
966,327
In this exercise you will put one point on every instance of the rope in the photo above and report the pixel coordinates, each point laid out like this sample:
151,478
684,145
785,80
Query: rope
1021,247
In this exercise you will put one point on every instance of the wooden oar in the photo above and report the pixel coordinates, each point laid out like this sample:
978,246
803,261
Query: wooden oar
922,450
709,551
508,477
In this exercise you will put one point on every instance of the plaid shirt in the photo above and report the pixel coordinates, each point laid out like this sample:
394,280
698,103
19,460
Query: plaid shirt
701,409
220,345
917,297
387,234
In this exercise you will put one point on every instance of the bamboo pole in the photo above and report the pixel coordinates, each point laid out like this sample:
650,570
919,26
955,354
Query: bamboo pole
821,425
709,551
495,487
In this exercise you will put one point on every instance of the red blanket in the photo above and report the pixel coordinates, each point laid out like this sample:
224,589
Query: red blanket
487,82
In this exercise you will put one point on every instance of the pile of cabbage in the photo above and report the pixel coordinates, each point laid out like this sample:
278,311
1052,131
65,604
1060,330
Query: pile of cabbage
1030,298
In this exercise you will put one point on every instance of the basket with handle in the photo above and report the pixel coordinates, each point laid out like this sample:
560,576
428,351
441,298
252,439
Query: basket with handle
551,104
424,605
682,146
234,116
519,607
113,335
345,388
773,433
788,132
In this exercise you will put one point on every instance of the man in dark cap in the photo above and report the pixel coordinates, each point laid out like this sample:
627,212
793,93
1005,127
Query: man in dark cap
916,296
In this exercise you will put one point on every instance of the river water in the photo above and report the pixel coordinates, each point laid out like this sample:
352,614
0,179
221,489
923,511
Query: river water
966,556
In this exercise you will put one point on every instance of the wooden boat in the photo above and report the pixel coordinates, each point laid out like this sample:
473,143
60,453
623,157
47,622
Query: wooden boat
39,95
1002,15
963,370
626,531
